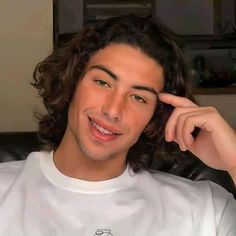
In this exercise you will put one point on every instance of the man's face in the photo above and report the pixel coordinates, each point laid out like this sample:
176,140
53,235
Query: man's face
113,102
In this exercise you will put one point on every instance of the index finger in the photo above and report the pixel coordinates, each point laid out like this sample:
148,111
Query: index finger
176,101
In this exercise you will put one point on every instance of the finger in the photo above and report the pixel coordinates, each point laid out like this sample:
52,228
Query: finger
175,101
173,121
185,126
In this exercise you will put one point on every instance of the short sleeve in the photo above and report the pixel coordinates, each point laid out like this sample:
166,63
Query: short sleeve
225,211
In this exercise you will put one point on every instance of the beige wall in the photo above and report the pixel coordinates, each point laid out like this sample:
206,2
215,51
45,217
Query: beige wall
224,103
25,39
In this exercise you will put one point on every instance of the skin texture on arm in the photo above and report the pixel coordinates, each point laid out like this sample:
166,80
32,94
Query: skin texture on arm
215,144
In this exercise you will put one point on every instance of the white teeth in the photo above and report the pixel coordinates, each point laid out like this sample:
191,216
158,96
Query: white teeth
101,129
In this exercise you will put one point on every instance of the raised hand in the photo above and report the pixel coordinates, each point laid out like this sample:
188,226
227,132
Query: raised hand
215,145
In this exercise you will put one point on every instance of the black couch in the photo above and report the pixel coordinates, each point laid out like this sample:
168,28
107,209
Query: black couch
17,145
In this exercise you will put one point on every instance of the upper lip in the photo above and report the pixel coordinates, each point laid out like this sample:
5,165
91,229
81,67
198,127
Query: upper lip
105,126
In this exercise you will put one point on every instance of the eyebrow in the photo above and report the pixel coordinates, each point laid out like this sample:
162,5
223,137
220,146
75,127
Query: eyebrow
115,77
106,70
149,89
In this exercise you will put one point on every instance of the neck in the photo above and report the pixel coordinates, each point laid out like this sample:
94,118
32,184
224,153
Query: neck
71,162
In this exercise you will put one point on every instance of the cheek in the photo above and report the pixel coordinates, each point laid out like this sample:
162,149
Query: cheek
88,95
72,113
138,125
75,107
140,121
84,98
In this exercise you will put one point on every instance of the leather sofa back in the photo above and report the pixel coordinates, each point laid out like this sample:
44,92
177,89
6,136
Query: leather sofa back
17,145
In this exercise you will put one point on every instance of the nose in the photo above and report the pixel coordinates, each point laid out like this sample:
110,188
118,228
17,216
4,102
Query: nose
114,106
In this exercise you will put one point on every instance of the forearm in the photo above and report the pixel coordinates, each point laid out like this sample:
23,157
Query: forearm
233,172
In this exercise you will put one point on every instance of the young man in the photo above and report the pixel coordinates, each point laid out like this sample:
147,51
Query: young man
118,102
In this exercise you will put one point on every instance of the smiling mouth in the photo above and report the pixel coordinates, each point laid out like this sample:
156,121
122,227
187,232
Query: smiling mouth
101,129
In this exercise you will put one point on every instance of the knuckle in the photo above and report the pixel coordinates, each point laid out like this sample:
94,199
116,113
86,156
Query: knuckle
212,109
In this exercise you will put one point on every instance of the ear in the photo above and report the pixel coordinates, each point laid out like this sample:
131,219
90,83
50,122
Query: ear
148,130
145,131
151,129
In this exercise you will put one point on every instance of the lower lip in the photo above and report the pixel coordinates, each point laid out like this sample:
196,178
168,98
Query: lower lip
102,137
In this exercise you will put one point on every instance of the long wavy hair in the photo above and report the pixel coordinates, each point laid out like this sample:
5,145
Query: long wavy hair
57,76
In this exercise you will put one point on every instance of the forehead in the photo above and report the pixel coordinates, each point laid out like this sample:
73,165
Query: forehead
129,64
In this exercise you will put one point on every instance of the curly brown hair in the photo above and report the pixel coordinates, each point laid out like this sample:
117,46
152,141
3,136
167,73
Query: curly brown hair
57,76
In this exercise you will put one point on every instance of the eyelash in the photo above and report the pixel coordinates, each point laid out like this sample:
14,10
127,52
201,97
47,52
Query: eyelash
102,83
138,99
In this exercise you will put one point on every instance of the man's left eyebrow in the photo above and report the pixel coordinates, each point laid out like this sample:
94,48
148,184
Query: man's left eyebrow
146,88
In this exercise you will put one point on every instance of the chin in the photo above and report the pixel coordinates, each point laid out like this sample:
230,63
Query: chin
96,155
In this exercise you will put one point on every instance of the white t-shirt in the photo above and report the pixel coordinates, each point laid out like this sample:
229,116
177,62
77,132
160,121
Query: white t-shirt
37,199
